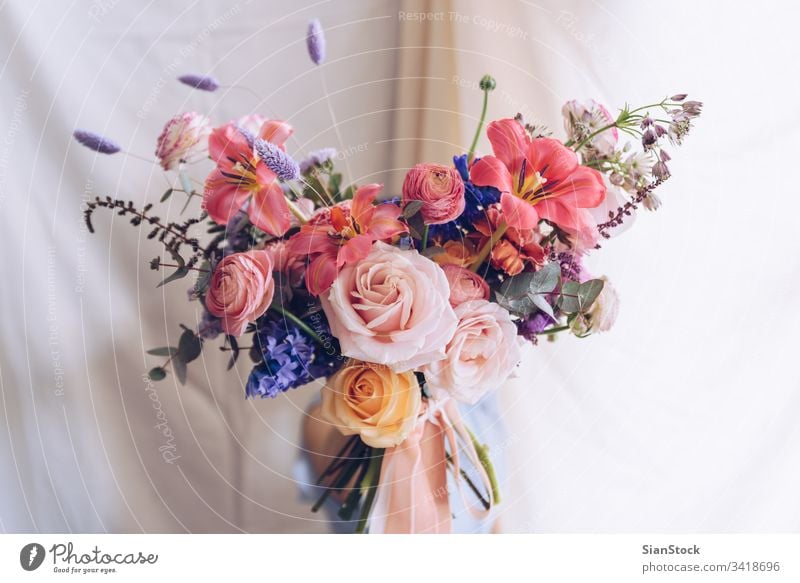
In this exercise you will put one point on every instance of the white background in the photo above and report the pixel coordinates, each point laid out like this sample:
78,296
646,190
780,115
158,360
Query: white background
681,419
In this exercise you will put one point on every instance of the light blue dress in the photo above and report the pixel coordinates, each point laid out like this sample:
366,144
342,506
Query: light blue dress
483,419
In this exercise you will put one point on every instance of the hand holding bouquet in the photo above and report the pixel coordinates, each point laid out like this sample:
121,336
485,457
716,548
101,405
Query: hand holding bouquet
407,305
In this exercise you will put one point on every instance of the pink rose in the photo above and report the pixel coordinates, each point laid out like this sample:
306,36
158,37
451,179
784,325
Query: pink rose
184,137
241,289
482,354
465,285
391,308
439,188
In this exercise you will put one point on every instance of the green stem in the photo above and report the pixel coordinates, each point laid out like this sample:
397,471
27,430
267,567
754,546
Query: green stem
295,210
424,243
483,456
593,134
487,247
474,145
553,330
370,482
298,322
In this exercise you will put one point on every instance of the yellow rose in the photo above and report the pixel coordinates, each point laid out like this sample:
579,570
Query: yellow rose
373,401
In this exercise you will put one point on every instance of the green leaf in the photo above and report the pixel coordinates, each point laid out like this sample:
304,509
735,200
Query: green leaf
334,184
234,351
189,346
157,374
546,279
163,351
541,302
180,370
203,278
166,195
416,226
569,301
578,297
179,273
348,192
411,208
589,291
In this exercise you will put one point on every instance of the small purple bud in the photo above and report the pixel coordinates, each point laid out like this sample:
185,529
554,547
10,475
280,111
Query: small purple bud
202,82
277,160
315,40
96,142
693,108
648,139
646,122
660,130
661,171
678,97
665,157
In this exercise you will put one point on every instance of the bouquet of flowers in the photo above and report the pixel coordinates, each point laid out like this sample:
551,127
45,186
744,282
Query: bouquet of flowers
407,304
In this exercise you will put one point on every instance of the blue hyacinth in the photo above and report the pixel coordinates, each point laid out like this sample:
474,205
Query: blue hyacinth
290,359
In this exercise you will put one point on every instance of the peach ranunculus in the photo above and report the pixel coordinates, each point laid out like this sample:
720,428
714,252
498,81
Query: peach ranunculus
483,353
241,289
373,401
465,285
439,188
392,308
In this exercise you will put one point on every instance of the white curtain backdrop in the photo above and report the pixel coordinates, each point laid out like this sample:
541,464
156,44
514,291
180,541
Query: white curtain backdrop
681,419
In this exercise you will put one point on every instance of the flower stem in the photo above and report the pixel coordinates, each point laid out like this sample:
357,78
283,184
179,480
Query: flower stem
553,330
301,218
297,322
474,145
483,456
424,242
487,247
370,482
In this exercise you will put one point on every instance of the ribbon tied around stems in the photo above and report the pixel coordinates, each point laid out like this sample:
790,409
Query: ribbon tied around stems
412,494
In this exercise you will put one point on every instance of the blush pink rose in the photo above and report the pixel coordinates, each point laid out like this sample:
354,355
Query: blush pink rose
482,354
241,289
391,308
465,285
439,188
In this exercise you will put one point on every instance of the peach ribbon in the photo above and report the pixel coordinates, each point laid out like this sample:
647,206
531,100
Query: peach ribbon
412,494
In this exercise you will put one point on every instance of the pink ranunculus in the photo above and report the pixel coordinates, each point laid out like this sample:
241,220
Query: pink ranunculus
241,289
465,285
539,178
482,354
184,137
439,188
391,308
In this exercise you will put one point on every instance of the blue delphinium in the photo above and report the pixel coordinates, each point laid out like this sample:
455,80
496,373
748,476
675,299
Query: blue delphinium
476,200
290,359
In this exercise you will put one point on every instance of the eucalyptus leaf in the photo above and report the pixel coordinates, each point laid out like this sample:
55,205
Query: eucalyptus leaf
234,351
589,291
166,195
541,302
411,208
546,279
569,301
189,346
180,370
163,351
157,374
179,273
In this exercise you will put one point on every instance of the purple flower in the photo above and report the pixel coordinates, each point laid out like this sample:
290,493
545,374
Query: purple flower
202,82
315,40
96,142
317,158
277,160
533,325
289,359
